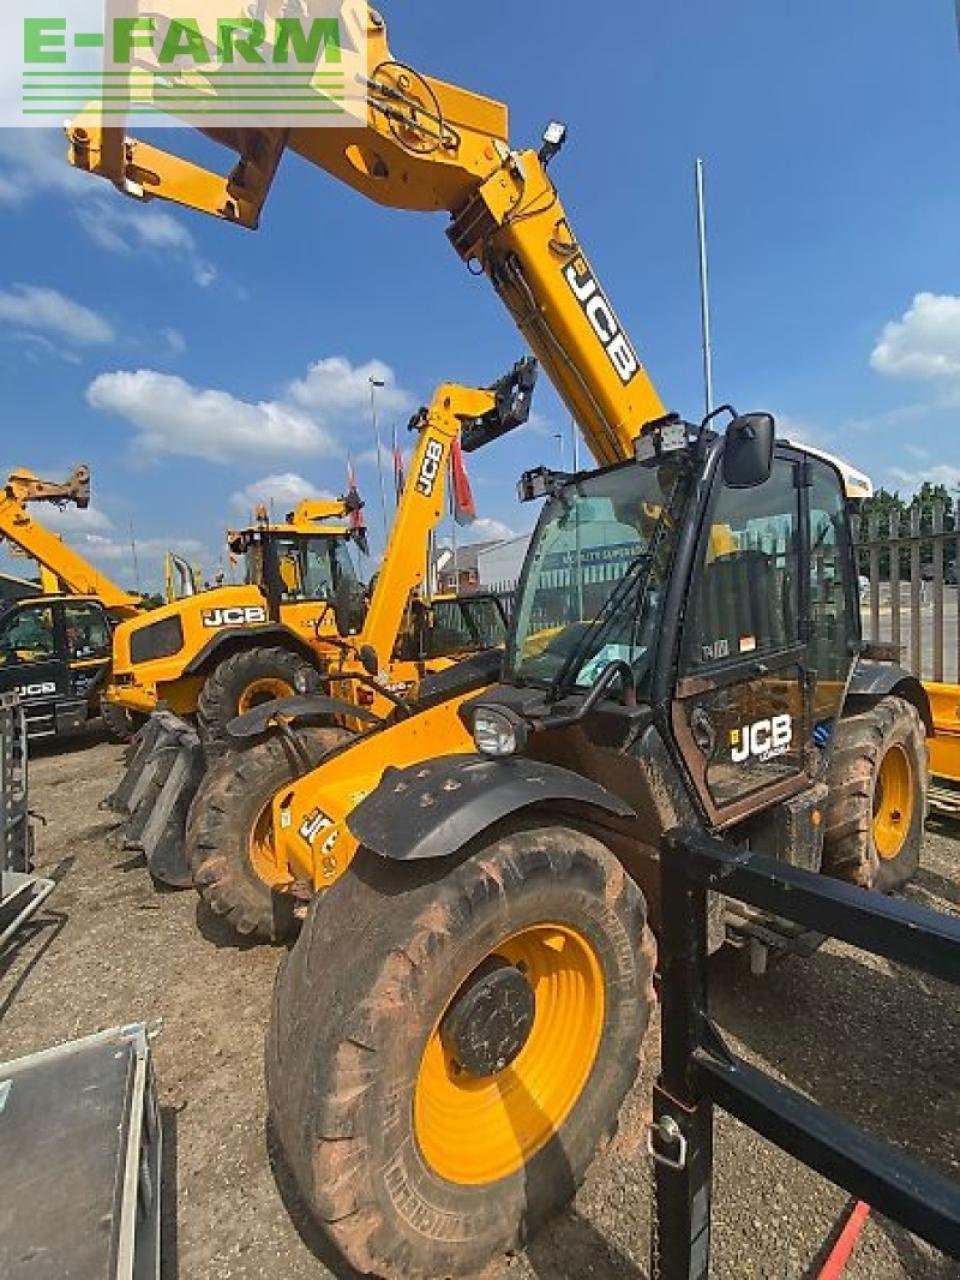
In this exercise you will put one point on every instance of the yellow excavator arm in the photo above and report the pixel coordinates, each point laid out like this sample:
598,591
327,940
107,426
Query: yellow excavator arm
74,575
433,147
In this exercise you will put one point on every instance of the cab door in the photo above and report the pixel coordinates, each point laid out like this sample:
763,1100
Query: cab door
742,707
31,662
88,646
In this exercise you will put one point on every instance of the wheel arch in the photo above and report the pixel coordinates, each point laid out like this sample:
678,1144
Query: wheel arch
234,639
440,808
872,681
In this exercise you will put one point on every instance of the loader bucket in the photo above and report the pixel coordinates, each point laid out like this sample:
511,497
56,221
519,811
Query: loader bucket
155,795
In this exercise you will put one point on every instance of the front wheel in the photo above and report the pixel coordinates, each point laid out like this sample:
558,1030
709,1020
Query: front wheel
442,1091
245,680
121,725
230,845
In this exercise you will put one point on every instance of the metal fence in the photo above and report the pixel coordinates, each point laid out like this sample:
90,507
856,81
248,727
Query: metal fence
909,564
908,597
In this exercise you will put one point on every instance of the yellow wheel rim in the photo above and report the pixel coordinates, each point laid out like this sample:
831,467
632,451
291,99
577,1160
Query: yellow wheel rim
893,803
474,1130
263,850
266,690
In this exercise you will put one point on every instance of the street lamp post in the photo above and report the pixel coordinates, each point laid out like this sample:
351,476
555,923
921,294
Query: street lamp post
374,384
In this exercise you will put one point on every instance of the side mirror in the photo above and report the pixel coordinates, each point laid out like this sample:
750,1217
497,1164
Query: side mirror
748,453
369,660
349,607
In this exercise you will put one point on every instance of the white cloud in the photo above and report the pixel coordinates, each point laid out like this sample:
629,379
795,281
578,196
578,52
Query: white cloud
283,491
336,388
485,529
943,473
119,229
312,418
39,309
924,343
33,162
70,521
172,417
174,340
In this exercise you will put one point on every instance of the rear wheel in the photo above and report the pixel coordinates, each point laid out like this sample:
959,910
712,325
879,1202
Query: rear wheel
442,1091
230,847
877,804
120,724
246,680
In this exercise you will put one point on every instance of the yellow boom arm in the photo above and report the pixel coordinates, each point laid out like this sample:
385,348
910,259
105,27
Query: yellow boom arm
432,146
75,575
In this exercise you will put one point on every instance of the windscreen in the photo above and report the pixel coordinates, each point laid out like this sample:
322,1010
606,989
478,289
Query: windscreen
311,568
595,576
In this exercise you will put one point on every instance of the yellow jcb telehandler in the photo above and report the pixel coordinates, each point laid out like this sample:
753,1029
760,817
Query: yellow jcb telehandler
443,1092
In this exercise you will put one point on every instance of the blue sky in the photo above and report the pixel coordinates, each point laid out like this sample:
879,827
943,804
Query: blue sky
188,361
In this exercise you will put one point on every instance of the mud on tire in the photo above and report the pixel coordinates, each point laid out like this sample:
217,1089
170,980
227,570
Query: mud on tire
877,805
279,672
223,818
348,1033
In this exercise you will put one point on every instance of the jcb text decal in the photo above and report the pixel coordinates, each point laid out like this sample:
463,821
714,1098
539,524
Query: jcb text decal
764,740
238,617
430,468
603,319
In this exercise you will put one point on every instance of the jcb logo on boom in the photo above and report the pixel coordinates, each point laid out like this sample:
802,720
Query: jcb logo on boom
238,617
430,468
603,320
764,740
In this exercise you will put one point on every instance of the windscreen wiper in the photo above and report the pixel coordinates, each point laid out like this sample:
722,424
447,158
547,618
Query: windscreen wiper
594,631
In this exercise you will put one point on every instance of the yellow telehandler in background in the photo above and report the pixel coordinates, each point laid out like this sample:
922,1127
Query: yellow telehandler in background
373,651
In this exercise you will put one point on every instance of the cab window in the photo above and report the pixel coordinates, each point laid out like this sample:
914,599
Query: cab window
88,632
834,612
28,635
744,598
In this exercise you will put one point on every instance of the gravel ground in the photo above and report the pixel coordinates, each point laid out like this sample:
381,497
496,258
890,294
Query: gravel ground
876,1042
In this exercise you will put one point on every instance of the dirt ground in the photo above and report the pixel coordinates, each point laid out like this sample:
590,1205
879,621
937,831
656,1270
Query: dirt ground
878,1043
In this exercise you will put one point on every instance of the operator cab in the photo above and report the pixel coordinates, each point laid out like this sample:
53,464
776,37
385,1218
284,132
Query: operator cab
296,567
707,587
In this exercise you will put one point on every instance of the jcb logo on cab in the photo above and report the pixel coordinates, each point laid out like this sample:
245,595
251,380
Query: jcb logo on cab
236,617
764,740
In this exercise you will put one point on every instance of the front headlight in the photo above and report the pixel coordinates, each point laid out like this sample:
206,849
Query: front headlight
498,732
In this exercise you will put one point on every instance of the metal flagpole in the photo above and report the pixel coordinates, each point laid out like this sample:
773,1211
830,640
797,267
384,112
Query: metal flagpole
374,384
705,290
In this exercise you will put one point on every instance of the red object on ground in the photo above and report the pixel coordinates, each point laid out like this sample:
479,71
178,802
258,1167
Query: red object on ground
464,507
846,1242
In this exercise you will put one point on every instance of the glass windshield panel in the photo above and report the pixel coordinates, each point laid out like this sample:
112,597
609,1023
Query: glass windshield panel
28,635
88,634
465,624
608,533
312,568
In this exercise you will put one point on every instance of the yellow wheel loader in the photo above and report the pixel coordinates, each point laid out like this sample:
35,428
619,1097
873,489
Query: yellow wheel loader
685,649
376,658
55,645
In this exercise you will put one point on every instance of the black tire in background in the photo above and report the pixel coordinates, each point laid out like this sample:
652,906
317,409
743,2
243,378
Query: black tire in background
360,1003
877,803
244,680
226,822
120,724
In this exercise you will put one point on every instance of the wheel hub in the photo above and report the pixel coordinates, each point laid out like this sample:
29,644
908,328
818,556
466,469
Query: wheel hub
490,1019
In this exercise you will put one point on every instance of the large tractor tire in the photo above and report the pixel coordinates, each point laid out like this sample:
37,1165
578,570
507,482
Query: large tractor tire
246,680
121,725
873,828
230,847
451,1043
